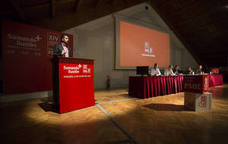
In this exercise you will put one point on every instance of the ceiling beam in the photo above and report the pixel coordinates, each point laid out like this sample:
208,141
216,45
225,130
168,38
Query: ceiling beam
99,3
126,1
16,5
32,3
52,8
77,5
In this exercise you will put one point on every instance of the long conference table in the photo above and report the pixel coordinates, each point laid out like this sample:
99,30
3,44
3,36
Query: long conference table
151,86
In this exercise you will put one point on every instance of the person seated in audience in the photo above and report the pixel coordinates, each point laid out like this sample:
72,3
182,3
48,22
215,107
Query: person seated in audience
190,70
200,70
155,70
169,71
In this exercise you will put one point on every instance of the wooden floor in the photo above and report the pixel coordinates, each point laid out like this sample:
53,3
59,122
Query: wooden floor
117,119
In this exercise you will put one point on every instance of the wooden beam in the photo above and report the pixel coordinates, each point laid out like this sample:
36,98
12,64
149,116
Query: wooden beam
125,1
118,3
99,2
52,8
16,5
32,3
77,5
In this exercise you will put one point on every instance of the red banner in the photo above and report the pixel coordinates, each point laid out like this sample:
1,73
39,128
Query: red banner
27,57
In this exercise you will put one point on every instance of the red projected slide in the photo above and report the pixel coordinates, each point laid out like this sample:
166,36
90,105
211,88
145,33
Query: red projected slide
140,46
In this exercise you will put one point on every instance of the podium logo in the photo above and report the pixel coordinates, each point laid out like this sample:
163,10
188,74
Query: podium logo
86,69
72,69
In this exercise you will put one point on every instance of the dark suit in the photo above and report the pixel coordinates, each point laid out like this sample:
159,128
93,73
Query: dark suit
58,50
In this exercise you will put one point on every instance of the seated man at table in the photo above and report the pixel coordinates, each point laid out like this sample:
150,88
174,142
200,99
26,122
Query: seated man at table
190,71
155,70
200,70
177,70
169,71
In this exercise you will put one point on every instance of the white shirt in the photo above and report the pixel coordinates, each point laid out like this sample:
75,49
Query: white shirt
66,49
169,72
155,72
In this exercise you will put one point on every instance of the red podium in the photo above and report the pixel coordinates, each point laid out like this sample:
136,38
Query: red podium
73,83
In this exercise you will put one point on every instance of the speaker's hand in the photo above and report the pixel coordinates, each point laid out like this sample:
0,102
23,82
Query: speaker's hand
63,52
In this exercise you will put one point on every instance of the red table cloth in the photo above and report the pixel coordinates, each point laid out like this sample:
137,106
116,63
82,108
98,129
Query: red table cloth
215,80
151,86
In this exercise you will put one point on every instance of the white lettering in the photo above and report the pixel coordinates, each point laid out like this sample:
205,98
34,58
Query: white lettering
75,71
70,68
148,55
53,38
23,38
